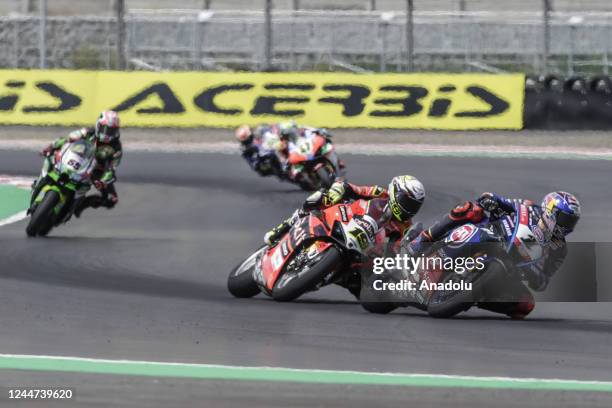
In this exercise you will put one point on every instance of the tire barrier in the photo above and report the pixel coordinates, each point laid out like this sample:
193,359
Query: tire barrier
574,103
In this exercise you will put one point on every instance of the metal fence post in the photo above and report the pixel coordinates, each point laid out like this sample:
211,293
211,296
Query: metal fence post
409,35
42,32
570,57
383,48
606,62
15,25
268,35
462,5
546,35
372,5
206,4
295,6
27,6
120,5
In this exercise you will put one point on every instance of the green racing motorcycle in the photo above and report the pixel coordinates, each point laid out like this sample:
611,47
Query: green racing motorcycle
63,183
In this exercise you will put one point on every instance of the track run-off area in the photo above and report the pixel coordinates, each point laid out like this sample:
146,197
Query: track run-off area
131,304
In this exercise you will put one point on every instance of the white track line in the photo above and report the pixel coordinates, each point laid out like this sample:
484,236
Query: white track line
21,182
371,149
13,218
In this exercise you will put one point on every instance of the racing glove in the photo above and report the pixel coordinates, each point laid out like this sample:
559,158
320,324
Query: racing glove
488,202
334,194
46,151
99,185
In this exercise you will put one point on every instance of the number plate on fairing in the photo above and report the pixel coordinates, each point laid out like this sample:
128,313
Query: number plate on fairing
360,233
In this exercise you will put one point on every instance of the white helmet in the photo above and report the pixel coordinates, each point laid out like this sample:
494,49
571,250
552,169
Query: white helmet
406,195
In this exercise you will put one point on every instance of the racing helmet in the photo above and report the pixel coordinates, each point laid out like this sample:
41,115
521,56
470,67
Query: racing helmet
406,195
560,213
288,131
244,134
107,127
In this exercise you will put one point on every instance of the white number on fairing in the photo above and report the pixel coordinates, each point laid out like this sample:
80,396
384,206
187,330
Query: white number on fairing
305,146
74,164
277,258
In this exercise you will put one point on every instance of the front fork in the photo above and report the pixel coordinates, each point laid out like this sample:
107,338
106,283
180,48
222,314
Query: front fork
38,183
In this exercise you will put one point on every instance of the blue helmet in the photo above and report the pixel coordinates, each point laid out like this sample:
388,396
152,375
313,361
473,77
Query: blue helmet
560,212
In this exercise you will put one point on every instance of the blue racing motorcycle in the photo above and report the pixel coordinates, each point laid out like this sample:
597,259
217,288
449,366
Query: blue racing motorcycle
444,284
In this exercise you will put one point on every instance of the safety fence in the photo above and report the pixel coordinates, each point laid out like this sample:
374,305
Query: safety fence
409,38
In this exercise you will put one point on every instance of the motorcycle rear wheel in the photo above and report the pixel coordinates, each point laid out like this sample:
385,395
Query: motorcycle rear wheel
41,220
291,285
371,301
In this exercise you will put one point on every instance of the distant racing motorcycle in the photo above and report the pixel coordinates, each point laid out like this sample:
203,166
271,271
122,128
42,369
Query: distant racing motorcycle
63,183
314,163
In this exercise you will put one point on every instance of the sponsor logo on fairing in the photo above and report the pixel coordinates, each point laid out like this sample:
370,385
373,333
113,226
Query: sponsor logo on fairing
343,214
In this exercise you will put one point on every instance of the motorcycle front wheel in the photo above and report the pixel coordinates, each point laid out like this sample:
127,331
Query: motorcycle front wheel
41,220
302,277
240,282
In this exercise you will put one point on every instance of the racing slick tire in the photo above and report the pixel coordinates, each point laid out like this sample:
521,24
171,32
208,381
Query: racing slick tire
379,307
371,301
240,282
291,285
41,220
441,307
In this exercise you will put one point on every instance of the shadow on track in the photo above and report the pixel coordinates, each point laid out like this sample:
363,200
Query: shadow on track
85,267
125,283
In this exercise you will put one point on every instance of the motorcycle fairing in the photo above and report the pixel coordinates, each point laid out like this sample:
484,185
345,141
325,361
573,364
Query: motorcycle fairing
72,164
524,239
303,232
313,230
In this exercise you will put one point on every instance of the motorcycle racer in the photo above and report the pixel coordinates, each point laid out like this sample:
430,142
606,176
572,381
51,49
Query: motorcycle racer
391,208
105,136
550,222
291,147
274,149
289,136
259,149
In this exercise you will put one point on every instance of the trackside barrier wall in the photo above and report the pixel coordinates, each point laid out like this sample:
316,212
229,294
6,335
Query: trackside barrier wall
568,104
191,99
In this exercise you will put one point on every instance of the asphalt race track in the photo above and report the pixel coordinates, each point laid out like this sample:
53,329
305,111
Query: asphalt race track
146,281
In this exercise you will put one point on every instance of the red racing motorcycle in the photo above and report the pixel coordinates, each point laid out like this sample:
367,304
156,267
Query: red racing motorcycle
321,248
314,162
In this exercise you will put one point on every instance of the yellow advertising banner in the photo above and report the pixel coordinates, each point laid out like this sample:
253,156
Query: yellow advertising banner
220,99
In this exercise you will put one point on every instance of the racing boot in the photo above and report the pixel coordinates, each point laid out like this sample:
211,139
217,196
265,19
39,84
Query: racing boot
94,201
275,234
271,238
352,282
